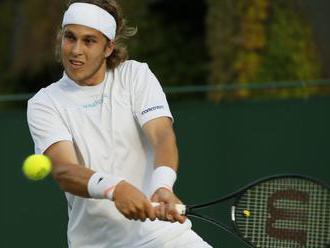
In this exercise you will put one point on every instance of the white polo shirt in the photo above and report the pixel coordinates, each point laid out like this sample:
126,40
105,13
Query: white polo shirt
104,123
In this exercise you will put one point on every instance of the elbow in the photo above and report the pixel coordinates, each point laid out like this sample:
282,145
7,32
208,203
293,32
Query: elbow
167,137
61,175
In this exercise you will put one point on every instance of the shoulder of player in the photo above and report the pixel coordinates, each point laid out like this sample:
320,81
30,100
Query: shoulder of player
134,74
43,95
132,68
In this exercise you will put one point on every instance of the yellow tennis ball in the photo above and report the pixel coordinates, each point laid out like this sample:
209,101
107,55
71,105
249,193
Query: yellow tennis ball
247,213
37,167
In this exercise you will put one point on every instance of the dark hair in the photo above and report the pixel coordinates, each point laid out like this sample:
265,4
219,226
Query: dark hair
119,53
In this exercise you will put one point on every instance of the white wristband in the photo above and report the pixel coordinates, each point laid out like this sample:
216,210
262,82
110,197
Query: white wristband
162,177
102,186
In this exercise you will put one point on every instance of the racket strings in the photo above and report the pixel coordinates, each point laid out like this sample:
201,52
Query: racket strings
286,212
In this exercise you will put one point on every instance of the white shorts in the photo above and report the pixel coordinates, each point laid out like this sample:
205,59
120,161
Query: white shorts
188,239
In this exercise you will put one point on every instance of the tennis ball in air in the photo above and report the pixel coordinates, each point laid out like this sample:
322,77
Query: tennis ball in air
37,167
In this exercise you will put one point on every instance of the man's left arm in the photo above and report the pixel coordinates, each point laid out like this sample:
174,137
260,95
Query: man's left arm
161,135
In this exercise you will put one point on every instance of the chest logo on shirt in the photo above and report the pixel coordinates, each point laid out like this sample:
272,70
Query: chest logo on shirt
96,103
152,109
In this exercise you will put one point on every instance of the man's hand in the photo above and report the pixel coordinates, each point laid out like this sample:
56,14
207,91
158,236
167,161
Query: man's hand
166,210
132,203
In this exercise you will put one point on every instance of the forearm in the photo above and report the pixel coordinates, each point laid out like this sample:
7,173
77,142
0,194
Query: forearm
73,178
165,163
161,136
166,152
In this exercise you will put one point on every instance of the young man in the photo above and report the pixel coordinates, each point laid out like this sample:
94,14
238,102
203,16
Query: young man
107,128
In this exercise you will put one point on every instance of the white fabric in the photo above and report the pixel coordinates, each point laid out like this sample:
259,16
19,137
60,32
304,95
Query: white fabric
188,239
104,123
92,16
162,177
102,186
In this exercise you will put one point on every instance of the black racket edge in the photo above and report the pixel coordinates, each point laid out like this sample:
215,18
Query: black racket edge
238,192
221,226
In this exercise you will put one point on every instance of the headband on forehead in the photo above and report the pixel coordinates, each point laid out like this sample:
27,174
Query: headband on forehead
91,16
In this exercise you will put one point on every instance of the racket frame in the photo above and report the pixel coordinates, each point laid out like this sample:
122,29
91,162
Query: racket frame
236,196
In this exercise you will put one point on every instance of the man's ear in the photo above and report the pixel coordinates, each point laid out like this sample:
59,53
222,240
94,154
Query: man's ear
109,48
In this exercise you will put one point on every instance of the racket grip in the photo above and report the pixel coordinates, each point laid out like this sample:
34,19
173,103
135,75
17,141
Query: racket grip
180,208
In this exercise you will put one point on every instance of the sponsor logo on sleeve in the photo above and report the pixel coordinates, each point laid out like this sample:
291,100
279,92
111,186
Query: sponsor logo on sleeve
152,109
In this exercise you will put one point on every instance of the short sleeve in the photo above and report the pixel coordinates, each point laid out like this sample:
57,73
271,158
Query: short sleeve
149,100
45,124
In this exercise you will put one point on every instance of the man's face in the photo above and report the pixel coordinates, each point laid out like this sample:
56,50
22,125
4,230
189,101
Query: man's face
84,51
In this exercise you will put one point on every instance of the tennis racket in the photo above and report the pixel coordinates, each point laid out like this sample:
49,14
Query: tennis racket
283,211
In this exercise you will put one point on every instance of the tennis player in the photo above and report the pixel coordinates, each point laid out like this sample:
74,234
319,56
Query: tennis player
107,127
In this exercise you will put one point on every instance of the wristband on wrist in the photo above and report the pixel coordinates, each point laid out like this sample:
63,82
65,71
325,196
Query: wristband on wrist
102,186
162,177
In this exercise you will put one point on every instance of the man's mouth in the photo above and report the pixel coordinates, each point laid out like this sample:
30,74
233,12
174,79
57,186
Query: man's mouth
76,64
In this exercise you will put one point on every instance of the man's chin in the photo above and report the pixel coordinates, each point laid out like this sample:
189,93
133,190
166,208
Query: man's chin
75,76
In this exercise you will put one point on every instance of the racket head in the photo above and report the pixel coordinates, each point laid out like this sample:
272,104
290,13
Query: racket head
284,211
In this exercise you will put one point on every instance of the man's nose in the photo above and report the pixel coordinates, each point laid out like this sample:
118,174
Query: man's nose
77,48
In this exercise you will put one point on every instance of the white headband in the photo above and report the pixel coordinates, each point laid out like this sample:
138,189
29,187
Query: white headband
91,16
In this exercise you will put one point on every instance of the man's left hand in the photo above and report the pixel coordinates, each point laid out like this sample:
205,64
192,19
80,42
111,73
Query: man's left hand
166,210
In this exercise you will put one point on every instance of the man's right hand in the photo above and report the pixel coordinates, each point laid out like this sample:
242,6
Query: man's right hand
132,203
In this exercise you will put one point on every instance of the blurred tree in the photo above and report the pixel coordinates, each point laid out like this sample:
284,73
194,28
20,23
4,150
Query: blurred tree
246,41
222,27
259,41
6,22
37,32
30,48
173,46
291,53
34,56
252,40
170,38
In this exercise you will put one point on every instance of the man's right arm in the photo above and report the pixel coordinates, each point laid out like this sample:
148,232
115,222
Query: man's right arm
70,176
74,178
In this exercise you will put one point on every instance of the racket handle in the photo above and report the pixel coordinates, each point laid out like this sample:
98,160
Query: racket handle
180,208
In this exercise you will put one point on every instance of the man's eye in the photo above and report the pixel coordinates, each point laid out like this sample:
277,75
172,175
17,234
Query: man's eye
69,37
90,41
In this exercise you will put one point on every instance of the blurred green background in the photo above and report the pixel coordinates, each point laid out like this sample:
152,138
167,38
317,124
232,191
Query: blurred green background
247,81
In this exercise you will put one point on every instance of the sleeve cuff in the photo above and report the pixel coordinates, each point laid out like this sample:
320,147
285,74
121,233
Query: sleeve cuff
42,148
144,119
